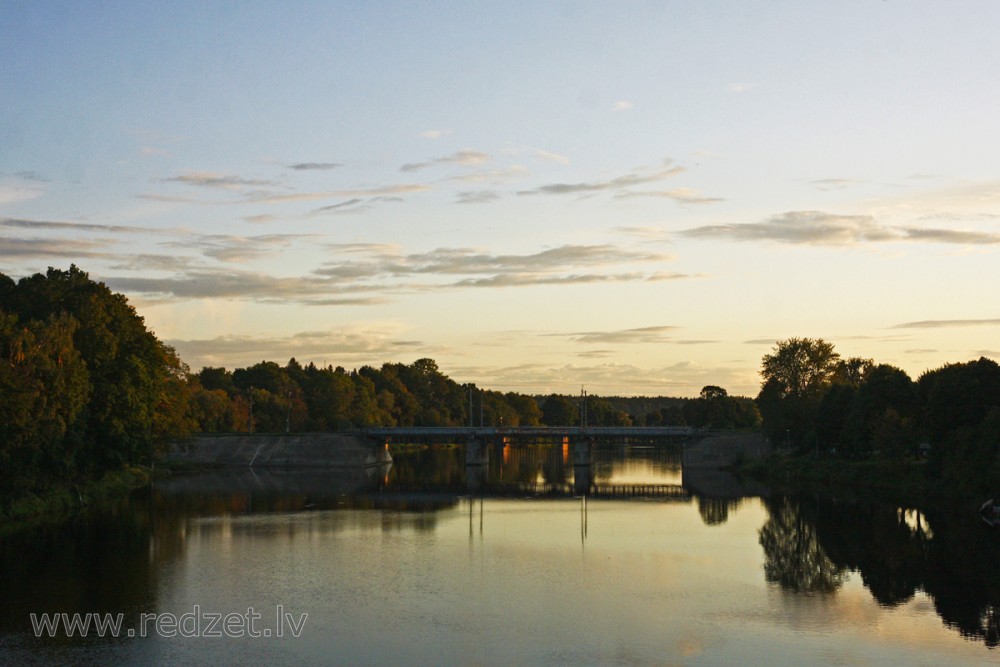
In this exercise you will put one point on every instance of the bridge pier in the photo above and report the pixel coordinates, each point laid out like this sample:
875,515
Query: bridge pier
583,452
477,453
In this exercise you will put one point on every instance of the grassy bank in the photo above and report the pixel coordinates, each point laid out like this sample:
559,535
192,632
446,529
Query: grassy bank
61,501
903,483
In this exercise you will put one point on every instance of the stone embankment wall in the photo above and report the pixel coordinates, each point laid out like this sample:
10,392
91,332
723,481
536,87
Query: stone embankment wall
707,462
725,450
313,450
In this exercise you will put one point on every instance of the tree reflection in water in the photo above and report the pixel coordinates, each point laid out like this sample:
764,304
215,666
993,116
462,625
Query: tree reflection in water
811,546
793,556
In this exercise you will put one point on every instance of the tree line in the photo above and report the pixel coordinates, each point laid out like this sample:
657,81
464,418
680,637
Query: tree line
814,401
268,397
85,387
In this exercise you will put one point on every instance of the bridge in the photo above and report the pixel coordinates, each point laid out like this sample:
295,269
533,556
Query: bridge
524,433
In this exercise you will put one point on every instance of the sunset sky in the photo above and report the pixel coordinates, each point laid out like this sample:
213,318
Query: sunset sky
638,198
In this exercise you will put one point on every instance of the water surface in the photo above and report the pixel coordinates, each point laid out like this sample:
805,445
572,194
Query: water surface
428,563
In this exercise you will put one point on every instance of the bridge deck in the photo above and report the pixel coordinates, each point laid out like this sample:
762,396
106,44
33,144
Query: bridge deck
521,432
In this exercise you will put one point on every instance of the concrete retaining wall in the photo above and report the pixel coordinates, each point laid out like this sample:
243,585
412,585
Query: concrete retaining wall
313,450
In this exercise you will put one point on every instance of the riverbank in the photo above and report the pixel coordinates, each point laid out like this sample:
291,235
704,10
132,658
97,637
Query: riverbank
904,483
59,502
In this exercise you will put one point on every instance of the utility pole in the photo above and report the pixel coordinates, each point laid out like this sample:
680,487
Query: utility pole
250,393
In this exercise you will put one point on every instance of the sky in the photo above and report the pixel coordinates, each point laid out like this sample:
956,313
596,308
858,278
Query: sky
636,198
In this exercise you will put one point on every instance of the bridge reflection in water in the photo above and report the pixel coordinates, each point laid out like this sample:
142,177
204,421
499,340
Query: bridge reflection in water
609,462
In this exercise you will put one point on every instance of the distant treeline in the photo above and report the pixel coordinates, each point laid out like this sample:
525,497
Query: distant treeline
267,397
85,388
814,401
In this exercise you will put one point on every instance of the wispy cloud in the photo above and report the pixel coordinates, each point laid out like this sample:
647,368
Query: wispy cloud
819,228
654,334
465,158
639,177
262,218
741,87
315,166
72,226
208,179
44,248
365,274
940,324
826,184
434,134
229,248
211,284
478,197
350,347
680,195
539,154
608,379
623,105
12,193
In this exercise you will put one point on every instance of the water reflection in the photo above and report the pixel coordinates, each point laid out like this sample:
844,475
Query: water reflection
811,544
809,551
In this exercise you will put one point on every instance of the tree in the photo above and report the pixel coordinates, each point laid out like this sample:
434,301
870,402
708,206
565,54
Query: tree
560,411
796,375
884,406
44,389
125,362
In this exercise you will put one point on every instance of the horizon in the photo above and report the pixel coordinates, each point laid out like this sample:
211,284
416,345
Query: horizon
641,200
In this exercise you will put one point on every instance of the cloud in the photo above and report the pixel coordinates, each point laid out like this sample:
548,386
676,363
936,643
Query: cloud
150,262
72,226
12,193
653,334
941,324
826,184
262,218
43,248
210,284
378,192
536,153
761,341
208,179
351,206
819,228
350,347
649,233
620,183
680,195
230,248
465,158
480,197
363,274
609,379
741,87
623,105
800,227
434,134
315,166
949,236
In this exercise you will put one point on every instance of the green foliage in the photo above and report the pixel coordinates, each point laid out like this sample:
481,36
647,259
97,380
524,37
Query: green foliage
560,411
796,376
84,386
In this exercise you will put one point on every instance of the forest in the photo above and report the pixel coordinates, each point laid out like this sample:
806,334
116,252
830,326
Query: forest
813,401
86,388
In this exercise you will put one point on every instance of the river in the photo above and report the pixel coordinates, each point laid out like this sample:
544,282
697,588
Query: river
430,563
